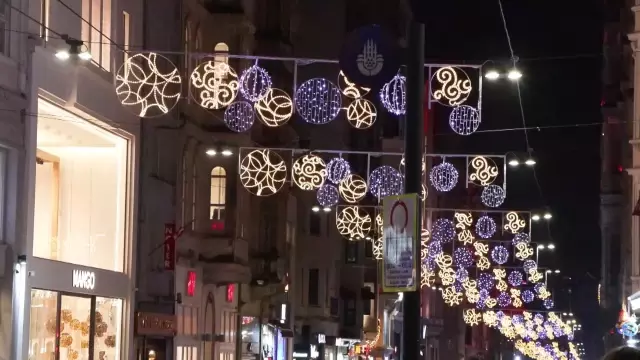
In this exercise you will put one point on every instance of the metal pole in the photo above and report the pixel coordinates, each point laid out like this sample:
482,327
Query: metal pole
260,330
238,324
414,133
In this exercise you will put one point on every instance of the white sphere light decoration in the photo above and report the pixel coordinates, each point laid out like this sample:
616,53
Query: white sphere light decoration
393,95
444,177
254,83
485,227
338,169
318,101
385,181
500,254
493,196
328,195
239,116
464,120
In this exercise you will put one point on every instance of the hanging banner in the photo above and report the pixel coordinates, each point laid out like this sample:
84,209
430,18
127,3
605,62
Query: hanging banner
169,247
400,243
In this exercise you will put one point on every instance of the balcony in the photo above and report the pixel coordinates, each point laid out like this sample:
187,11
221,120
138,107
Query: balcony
224,260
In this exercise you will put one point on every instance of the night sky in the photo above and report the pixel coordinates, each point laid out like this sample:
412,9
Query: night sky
559,45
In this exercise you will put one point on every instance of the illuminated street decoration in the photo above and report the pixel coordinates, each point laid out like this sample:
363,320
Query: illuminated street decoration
263,172
239,116
214,85
353,188
255,83
275,108
450,86
318,101
484,171
393,95
309,172
514,223
143,87
350,89
444,177
353,223
493,196
361,114
464,120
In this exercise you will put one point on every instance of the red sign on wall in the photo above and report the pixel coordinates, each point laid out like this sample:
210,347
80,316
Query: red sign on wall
191,283
231,290
169,246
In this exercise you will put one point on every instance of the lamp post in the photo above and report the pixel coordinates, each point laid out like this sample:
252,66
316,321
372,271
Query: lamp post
414,135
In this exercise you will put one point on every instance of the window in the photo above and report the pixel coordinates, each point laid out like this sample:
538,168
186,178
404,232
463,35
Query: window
314,224
314,285
51,313
349,311
96,36
187,353
126,35
221,50
44,18
80,192
187,320
351,252
218,197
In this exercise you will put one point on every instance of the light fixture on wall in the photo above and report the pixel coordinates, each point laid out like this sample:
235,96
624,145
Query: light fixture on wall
77,50
219,150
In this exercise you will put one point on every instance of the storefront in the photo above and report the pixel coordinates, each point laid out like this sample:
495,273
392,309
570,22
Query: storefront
264,342
83,305
75,282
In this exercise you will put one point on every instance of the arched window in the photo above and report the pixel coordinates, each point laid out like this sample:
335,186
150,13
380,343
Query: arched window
218,197
221,48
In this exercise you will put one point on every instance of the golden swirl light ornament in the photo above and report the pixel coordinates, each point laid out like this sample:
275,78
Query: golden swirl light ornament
353,188
514,223
309,172
361,114
275,108
148,83
484,171
263,172
353,223
351,89
378,249
471,317
450,86
214,85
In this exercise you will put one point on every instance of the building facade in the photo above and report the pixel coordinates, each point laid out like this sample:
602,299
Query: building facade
71,197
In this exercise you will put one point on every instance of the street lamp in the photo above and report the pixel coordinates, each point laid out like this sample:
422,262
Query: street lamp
513,74
516,161
549,246
75,50
218,149
546,216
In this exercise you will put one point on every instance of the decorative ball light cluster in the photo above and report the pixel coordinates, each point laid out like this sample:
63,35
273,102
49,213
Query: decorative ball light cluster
318,101
485,227
500,254
443,230
239,116
393,95
328,196
255,83
338,169
444,177
464,120
309,172
493,196
385,181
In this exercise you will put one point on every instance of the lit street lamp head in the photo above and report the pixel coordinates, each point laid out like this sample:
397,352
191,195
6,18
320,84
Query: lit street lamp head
514,75
492,75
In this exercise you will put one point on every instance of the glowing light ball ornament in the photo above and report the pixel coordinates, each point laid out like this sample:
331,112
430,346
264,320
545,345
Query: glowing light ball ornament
464,120
486,281
393,95
328,195
318,101
309,172
463,257
254,83
485,227
504,299
353,188
529,265
338,169
443,230
500,254
434,249
385,181
548,304
462,274
520,238
443,177
239,116
493,196
515,278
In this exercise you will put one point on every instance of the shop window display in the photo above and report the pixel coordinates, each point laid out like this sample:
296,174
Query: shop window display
71,315
81,182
